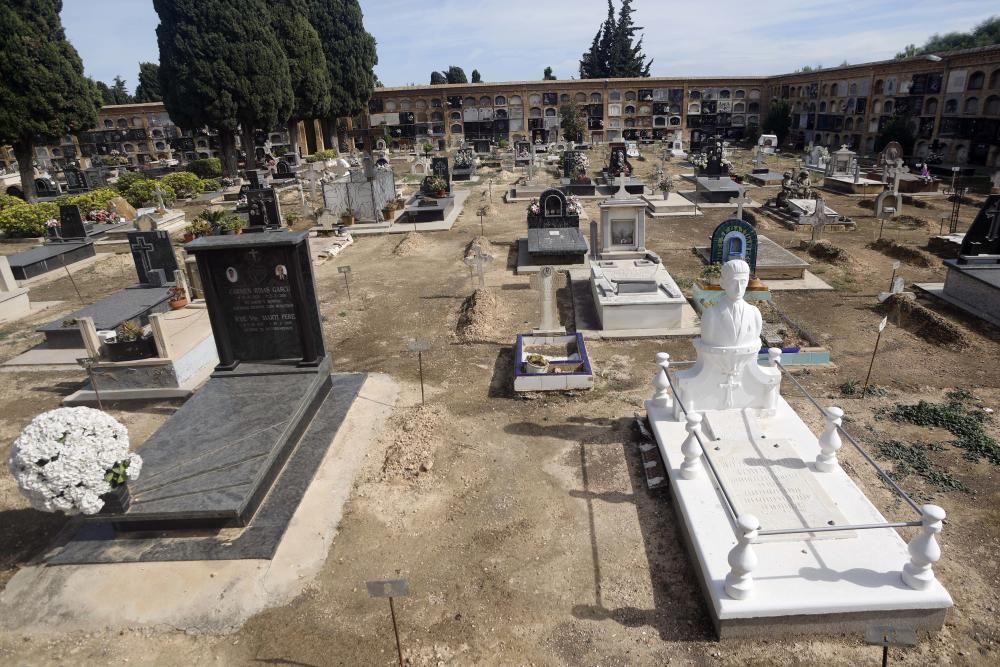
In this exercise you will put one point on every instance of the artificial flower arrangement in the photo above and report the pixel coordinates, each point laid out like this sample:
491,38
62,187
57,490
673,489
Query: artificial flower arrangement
699,160
115,159
534,208
52,223
464,159
68,459
101,216
573,206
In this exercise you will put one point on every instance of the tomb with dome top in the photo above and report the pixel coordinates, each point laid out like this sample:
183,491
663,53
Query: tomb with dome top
782,540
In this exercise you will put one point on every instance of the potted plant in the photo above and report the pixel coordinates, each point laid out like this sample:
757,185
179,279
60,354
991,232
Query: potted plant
232,225
196,229
389,210
178,298
76,461
710,276
399,202
347,219
131,343
438,186
536,364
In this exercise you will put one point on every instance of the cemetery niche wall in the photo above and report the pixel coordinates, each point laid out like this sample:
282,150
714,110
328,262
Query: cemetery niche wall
554,235
781,538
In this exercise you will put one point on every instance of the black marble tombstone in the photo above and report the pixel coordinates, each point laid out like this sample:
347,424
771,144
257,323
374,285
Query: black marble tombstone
264,209
71,225
522,153
618,163
712,149
569,164
76,180
152,251
983,237
439,167
261,298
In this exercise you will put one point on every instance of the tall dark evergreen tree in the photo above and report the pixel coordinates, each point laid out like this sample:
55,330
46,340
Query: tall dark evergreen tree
221,66
148,88
119,93
438,79
476,76
455,74
614,52
350,57
778,120
45,94
103,91
306,64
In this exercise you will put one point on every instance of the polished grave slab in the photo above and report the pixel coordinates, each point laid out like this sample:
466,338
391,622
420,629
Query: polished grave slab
49,257
132,303
97,541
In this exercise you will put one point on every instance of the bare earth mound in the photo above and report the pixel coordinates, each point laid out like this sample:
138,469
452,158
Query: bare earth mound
825,251
482,246
412,439
412,244
905,312
480,318
906,253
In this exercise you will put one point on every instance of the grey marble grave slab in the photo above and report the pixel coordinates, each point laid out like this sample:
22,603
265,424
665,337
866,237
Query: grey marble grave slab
212,462
97,542
136,302
48,257
558,241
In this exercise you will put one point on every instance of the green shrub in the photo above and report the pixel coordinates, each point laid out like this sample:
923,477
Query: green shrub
209,184
89,201
184,183
128,179
209,167
143,193
27,220
6,201
327,154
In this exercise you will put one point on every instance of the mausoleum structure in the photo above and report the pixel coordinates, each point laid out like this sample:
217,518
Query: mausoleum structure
843,174
973,280
781,538
630,288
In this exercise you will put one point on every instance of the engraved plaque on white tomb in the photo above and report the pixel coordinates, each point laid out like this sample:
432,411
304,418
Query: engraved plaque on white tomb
768,478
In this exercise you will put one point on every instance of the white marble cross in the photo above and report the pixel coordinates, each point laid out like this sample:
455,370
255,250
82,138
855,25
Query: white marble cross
897,170
477,262
817,219
740,201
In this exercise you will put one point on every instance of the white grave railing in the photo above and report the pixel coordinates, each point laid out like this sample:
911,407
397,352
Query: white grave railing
924,551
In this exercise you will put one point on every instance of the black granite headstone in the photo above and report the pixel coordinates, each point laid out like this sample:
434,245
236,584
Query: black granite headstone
151,251
264,208
261,297
439,167
569,163
983,237
76,180
713,154
618,163
71,225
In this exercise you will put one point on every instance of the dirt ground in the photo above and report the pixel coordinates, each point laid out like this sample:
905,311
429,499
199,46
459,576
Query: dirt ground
523,524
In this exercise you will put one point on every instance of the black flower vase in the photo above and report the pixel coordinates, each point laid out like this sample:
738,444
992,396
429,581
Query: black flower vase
117,500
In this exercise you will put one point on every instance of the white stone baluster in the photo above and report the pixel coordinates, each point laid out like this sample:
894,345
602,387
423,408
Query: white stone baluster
924,551
774,356
661,397
742,559
830,442
691,449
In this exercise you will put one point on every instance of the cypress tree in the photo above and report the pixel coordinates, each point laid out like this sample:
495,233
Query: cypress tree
221,67
437,78
476,76
455,74
350,57
148,88
119,93
45,94
612,52
306,63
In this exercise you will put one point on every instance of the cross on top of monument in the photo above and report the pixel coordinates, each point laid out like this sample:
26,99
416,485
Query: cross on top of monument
621,193
144,249
740,200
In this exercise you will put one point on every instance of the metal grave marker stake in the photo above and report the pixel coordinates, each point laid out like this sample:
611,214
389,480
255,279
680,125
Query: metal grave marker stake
390,588
419,346
346,270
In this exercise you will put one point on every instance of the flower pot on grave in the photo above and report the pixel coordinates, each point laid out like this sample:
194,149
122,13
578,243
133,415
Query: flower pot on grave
141,348
189,236
177,304
536,366
117,500
441,194
347,220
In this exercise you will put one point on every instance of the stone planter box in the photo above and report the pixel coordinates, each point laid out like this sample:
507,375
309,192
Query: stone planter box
566,371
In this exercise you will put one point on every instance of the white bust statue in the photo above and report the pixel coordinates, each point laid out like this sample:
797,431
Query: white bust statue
732,322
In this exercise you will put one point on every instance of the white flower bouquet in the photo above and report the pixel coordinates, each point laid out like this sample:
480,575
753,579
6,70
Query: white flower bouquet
67,458
573,206
534,208
699,160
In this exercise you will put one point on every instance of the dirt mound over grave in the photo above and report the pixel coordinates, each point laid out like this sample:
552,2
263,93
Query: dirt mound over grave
480,317
906,253
412,244
617,372
911,221
412,438
904,311
482,246
825,251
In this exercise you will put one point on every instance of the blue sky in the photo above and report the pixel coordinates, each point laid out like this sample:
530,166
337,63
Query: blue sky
723,37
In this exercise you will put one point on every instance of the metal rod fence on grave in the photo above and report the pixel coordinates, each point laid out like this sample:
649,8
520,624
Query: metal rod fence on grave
731,506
